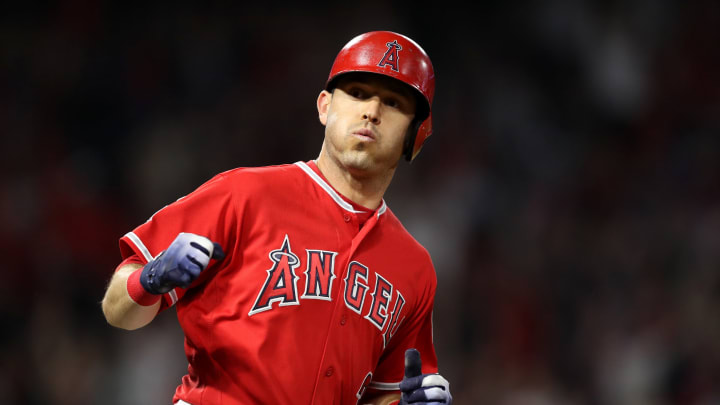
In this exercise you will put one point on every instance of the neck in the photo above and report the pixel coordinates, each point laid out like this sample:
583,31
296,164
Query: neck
361,187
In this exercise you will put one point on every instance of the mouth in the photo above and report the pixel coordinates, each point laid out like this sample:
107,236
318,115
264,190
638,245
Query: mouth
365,134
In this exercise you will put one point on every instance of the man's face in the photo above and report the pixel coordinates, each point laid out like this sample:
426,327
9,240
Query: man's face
366,120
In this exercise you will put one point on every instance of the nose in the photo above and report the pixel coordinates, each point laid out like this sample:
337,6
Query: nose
372,110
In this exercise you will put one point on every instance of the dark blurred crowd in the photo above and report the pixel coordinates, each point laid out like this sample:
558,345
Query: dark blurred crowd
570,196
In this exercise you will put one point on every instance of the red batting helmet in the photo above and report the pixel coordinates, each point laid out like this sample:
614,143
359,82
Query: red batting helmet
397,56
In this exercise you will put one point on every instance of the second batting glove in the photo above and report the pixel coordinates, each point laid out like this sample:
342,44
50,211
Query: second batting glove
425,389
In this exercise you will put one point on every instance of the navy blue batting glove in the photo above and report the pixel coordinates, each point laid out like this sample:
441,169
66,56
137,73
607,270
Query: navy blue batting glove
419,388
180,264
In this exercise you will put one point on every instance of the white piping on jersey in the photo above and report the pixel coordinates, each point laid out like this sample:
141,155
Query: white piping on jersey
328,189
146,253
181,402
382,209
173,296
384,386
141,246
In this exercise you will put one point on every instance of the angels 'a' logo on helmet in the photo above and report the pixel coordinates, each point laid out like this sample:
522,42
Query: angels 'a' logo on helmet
391,56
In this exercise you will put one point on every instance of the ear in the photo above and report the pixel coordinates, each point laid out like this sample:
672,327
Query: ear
323,105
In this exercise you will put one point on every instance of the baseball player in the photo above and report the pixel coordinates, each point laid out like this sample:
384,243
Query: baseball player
296,284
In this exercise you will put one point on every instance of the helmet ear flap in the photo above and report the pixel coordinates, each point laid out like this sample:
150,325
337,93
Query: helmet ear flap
418,132
409,142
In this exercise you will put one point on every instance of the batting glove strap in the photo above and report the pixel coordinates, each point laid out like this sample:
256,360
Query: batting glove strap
137,292
426,389
149,279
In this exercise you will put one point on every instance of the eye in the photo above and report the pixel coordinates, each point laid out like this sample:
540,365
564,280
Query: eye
356,92
392,102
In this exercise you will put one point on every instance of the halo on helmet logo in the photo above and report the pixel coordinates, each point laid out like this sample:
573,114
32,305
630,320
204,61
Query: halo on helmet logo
391,57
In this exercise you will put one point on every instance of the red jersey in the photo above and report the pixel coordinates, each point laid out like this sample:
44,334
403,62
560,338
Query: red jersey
311,305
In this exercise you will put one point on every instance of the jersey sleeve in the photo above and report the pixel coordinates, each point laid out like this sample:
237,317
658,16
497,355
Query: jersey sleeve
415,332
208,211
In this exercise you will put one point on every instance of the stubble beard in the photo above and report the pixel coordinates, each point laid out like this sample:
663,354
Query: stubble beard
358,160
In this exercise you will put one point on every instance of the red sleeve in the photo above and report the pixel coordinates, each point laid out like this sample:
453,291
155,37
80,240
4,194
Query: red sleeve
415,332
208,211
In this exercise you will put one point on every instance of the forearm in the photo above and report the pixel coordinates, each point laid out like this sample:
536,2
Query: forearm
119,308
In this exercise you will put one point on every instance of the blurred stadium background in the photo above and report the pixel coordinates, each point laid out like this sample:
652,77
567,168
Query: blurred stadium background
570,195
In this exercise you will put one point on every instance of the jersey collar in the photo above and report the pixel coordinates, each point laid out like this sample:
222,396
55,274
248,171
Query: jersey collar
332,193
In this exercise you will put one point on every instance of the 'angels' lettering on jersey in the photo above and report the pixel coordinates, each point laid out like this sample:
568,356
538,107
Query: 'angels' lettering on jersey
281,286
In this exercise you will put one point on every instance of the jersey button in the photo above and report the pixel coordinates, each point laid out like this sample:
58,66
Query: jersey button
343,320
346,217
329,372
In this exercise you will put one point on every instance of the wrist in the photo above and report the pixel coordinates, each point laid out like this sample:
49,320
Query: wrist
137,292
